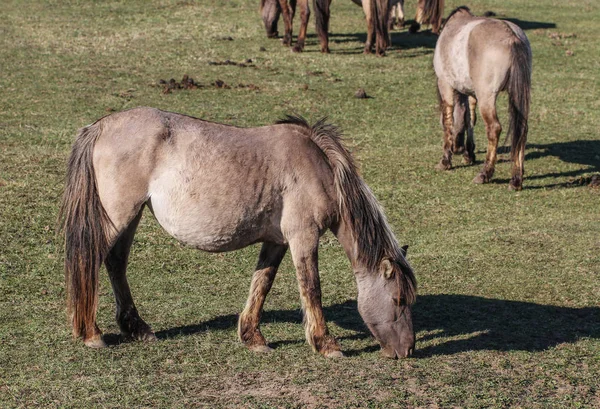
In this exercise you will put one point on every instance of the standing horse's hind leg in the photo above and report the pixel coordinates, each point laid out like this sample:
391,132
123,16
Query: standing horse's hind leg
446,93
248,325
471,119
303,247
130,323
459,125
487,107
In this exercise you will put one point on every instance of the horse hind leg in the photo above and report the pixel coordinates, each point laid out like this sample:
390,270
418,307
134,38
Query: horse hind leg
447,95
471,119
248,325
131,324
459,124
487,108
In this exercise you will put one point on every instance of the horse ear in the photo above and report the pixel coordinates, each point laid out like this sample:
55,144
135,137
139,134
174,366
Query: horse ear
404,249
386,268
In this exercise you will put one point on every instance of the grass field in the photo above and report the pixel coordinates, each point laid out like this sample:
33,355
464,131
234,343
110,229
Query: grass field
508,312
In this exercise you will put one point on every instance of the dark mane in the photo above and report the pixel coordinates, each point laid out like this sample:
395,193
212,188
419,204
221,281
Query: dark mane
358,206
456,10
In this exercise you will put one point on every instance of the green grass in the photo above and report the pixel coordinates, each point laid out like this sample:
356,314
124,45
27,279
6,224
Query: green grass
509,283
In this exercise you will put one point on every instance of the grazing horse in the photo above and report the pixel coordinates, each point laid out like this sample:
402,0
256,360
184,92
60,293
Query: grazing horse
376,12
475,58
428,12
220,188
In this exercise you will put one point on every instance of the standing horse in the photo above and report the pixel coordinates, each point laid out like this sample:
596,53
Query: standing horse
376,12
475,58
221,188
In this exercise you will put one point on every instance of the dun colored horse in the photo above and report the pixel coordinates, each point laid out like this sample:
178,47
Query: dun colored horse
220,188
428,12
475,58
376,12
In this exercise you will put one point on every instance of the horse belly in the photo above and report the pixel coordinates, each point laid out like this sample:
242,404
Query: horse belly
211,220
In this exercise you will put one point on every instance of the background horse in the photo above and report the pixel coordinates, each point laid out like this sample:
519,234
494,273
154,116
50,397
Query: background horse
221,188
428,12
475,58
376,12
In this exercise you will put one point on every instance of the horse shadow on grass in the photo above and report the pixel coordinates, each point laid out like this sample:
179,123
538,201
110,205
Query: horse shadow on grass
449,324
582,152
404,39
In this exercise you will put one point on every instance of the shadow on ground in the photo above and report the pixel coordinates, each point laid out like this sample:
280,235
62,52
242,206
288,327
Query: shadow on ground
403,39
480,323
584,153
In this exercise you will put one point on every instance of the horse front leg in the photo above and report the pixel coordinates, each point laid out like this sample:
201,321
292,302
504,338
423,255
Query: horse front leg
288,16
131,324
493,130
304,247
304,16
248,325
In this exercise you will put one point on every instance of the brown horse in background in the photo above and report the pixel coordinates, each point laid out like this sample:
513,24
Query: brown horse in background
428,12
220,188
475,58
376,12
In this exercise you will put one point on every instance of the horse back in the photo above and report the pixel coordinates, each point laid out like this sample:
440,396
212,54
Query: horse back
474,53
213,186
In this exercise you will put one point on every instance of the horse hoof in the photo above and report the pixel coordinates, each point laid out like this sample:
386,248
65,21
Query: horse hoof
148,337
467,160
95,342
263,349
296,49
443,166
334,354
515,188
480,179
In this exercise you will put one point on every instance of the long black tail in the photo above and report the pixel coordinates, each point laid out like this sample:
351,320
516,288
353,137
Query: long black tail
518,87
322,13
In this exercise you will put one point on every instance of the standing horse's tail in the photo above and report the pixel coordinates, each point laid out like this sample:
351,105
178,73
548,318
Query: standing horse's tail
358,207
430,12
518,86
322,14
85,224
380,15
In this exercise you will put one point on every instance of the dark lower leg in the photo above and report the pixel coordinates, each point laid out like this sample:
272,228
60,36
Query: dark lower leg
516,181
469,155
128,318
248,325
